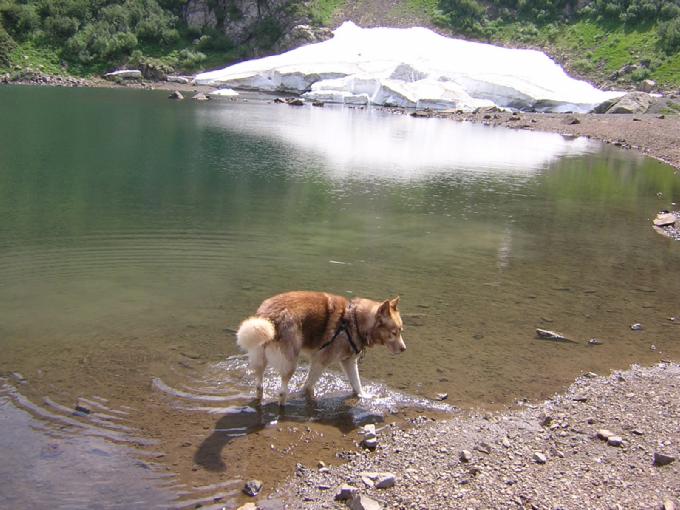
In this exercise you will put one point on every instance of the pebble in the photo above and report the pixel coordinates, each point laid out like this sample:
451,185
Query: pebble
369,431
248,506
604,434
370,444
252,488
595,341
614,440
346,492
465,456
361,502
540,458
636,327
385,481
662,459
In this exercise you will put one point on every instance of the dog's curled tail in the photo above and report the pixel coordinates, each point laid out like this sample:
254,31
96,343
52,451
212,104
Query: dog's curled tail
254,332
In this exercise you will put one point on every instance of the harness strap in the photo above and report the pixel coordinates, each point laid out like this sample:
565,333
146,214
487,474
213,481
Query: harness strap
344,326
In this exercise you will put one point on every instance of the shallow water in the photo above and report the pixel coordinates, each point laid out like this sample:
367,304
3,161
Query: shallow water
137,232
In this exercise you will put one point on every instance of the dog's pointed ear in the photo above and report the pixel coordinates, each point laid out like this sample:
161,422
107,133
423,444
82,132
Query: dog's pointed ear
394,303
384,309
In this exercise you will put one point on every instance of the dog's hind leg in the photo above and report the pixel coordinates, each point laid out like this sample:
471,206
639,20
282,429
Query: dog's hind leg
351,368
284,365
258,362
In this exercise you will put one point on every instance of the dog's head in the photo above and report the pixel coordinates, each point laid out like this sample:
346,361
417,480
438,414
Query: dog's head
388,326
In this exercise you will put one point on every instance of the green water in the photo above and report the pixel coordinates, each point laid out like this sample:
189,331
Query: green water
133,222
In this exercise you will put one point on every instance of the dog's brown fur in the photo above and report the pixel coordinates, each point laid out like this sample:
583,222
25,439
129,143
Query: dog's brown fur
289,324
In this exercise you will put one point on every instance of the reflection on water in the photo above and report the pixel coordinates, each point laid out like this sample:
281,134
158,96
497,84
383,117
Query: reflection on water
130,252
372,143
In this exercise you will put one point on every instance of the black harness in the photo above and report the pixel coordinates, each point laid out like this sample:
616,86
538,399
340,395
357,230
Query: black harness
344,326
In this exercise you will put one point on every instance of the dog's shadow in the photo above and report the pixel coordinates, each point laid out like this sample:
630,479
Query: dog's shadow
342,412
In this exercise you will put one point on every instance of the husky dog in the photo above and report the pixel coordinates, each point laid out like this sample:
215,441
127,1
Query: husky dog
325,327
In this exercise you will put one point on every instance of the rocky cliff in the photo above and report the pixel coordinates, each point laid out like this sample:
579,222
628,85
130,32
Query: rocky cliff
263,26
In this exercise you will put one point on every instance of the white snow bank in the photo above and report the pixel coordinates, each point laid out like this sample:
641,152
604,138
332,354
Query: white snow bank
413,67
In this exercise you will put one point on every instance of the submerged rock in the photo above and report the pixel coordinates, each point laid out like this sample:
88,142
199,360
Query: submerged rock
176,94
665,219
252,488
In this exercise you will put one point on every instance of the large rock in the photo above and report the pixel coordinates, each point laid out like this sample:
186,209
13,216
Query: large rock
237,19
200,14
125,74
633,102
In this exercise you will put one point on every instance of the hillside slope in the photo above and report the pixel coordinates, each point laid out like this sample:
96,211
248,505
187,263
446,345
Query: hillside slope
613,43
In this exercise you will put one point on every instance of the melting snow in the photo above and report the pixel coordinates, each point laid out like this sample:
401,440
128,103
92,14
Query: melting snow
413,67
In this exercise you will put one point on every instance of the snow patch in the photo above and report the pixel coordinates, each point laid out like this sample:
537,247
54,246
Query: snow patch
413,67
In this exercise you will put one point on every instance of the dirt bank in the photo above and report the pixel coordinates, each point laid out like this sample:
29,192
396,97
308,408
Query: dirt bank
544,456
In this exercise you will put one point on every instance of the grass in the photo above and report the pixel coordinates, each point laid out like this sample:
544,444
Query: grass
423,9
595,51
322,11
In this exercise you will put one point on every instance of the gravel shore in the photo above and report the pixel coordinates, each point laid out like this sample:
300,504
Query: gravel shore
544,456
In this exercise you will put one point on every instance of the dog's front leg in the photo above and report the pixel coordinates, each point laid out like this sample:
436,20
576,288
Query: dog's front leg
351,368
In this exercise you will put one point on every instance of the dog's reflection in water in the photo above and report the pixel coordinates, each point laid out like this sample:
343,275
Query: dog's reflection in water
342,412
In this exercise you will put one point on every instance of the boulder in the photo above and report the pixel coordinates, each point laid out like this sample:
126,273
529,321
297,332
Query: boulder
201,97
178,79
176,94
604,106
124,74
633,102
647,85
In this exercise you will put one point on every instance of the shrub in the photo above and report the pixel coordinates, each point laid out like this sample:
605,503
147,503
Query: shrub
7,44
189,59
669,35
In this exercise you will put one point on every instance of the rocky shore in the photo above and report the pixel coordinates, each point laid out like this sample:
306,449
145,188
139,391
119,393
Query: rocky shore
606,443
655,133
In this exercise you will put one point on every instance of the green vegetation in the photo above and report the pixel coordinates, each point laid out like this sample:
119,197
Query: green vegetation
625,41
83,37
594,39
321,11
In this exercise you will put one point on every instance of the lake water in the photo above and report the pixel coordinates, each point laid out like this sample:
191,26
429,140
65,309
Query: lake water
136,232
